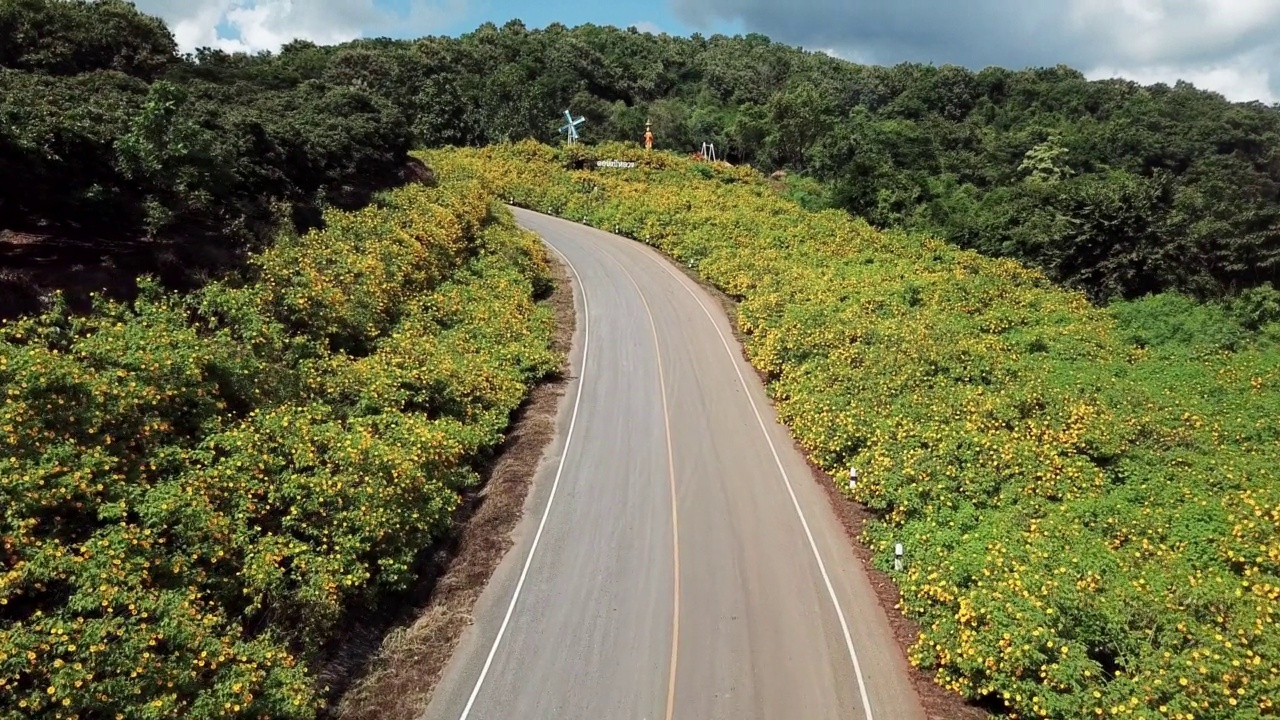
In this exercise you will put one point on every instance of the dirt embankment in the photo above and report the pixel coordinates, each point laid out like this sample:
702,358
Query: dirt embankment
35,266
395,681
39,257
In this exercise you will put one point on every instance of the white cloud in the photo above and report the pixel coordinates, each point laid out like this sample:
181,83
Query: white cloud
194,25
267,24
1231,46
1237,81
1153,31
646,26
846,54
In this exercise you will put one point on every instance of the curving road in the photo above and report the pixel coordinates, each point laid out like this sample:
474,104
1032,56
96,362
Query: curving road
676,560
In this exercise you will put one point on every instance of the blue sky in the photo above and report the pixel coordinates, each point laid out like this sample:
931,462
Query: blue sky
648,16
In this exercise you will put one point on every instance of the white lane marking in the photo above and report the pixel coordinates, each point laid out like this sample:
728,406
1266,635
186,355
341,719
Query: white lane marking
671,475
844,624
573,421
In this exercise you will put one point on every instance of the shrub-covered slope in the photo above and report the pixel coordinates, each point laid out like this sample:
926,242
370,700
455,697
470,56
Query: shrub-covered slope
198,488
1089,498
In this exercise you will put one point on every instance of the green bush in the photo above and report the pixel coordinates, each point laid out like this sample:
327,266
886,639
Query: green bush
1257,307
1177,320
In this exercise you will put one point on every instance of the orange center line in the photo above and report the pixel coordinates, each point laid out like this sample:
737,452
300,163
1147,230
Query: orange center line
671,476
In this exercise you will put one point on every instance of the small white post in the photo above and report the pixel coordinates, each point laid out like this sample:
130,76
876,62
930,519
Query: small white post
853,478
897,557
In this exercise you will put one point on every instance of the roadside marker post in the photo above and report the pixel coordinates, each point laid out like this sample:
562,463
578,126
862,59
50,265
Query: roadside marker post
897,557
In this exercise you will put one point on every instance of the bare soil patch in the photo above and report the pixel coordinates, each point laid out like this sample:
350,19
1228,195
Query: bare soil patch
396,680
34,266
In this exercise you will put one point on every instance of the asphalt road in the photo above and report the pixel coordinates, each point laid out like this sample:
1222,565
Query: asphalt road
676,559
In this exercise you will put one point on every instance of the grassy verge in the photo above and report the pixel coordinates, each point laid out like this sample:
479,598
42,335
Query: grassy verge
1090,505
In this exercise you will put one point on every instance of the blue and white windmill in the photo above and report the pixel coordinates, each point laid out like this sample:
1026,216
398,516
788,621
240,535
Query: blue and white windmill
570,128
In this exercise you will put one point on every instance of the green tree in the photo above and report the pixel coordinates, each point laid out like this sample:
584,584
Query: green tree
66,37
798,119
1047,162
1111,235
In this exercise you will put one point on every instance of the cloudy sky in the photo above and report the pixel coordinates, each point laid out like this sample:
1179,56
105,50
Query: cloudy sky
1231,46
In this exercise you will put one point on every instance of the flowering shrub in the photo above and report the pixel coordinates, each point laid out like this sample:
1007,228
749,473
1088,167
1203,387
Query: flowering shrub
196,489
1091,522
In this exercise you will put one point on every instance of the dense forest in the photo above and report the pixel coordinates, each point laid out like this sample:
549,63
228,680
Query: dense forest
105,129
1109,186
117,158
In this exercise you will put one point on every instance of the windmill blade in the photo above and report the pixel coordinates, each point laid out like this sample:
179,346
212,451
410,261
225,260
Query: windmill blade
570,129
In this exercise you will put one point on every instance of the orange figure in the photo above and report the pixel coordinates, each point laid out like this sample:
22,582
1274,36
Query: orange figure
648,136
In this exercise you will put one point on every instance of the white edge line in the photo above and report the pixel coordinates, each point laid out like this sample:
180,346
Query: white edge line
573,420
734,359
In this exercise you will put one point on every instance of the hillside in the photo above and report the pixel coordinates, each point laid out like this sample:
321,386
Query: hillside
1126,183
1088,497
